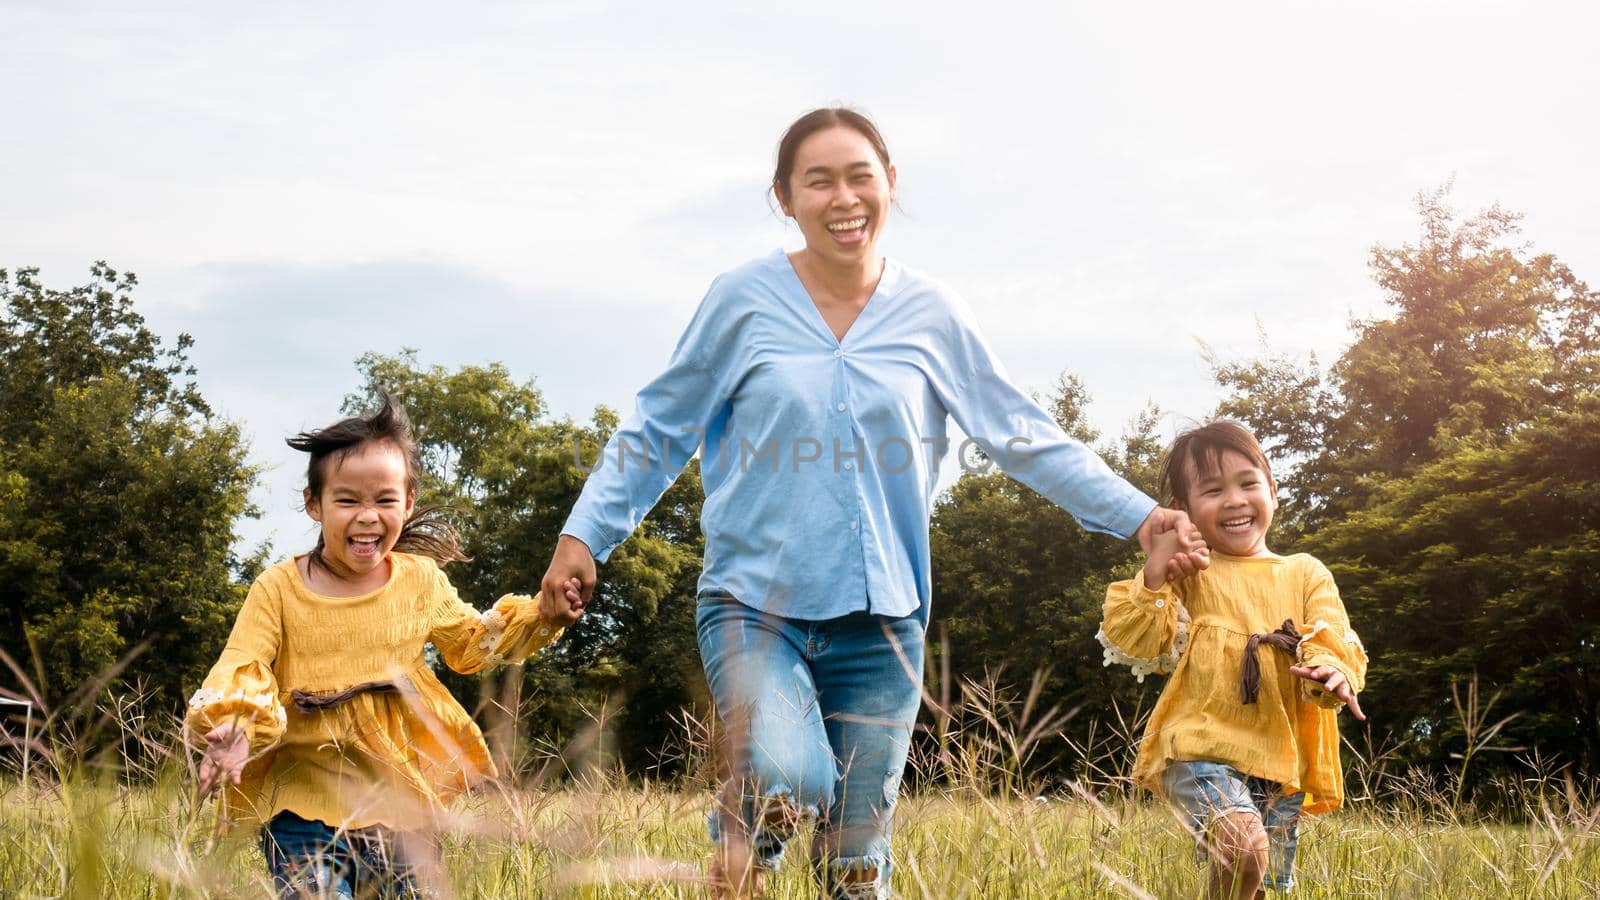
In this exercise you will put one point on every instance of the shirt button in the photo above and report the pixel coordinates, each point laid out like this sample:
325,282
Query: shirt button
848,465
1160,603
838,353
854,523
840,407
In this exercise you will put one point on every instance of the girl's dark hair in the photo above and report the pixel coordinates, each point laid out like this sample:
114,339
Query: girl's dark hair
427,532
1199,450
813,122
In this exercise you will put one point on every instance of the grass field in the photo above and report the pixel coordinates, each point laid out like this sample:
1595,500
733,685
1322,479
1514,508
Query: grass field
105,841
128,825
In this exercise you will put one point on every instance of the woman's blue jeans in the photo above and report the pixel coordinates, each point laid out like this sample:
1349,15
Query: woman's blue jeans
819,716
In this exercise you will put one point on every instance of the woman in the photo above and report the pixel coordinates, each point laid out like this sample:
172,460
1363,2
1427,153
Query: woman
818,384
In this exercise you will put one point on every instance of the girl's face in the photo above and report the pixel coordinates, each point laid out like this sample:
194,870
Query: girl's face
363,506
839,194
1233,505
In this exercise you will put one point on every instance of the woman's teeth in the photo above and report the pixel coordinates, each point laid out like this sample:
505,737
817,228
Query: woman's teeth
847,225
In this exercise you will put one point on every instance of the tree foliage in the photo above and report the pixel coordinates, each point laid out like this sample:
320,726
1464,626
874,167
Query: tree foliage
119,490
1446,469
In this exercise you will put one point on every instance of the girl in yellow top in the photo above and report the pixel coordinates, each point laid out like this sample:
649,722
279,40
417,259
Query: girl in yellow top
322,716
1261,656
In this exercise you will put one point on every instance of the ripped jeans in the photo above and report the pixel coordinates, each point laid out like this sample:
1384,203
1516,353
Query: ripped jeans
819,717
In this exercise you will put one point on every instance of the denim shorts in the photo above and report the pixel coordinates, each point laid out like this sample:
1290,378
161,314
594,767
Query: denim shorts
309,857
1203,791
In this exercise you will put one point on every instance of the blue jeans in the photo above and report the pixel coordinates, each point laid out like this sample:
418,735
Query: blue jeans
819,717
310,858
1204,790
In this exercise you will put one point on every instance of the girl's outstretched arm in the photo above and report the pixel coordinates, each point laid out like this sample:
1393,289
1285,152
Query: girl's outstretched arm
236,713
510,632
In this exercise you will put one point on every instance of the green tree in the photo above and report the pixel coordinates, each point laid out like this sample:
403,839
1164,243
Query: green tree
119,490
490,450
1445,468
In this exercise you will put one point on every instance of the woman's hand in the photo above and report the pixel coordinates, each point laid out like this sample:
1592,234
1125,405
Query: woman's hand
1333,681
565,589
227,749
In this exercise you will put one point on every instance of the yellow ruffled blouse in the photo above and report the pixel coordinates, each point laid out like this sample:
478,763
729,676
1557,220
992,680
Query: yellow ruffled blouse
390,758
1197,629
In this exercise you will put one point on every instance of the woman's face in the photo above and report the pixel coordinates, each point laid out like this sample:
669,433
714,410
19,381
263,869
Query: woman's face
839,194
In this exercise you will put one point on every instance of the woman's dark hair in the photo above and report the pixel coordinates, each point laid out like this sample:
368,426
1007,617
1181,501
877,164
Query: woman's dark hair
427,532
1199,450
813,122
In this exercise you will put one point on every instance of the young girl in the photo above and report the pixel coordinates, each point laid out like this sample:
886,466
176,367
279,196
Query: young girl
322,716
1243,738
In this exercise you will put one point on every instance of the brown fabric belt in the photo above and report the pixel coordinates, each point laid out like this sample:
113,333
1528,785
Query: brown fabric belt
308,702
1286,639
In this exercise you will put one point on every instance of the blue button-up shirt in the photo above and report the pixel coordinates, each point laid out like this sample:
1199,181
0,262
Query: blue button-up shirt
820,456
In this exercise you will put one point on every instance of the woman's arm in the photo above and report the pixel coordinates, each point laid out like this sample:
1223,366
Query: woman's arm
1027,444
645,456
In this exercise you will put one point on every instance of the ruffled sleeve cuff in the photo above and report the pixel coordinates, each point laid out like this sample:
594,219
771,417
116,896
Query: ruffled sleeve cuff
1145,630
247,699
1337,647
509,633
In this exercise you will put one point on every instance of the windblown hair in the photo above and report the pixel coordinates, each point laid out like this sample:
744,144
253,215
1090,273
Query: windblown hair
1198,451
428,532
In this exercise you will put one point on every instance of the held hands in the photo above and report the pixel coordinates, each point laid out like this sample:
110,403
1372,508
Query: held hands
227,749
1333,681
565,589
1173,546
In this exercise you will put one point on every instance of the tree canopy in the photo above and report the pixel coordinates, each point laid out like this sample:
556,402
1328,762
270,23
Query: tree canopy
119,491
1447,469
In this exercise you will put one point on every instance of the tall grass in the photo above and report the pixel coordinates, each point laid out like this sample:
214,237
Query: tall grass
111,812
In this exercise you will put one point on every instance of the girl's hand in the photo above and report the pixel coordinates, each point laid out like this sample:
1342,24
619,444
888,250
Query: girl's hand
1186,563
227,749
1333,681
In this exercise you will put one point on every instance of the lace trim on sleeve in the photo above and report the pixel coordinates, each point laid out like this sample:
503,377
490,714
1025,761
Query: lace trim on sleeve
494,628
1158,665
264,703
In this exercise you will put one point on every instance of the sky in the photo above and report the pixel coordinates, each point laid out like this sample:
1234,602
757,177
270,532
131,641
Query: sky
553,185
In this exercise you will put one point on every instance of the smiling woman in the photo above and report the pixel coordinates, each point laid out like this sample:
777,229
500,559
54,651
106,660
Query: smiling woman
814,594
